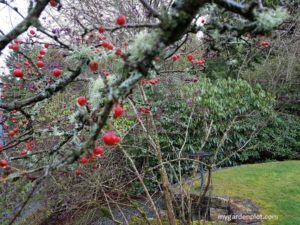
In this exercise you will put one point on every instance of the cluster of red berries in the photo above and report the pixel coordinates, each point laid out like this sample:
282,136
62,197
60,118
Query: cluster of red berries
144,110
199,62
109,138
175,57
18,72
29,145
265,44
150,82
190,57
107,45
13,132
15,45
120,20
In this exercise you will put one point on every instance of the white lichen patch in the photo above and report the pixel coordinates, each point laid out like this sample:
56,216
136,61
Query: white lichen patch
82,53
144,41
95,92
269,19
96,89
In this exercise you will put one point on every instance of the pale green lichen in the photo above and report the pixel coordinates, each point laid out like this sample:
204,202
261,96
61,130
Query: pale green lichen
152,74
82,53
57,132
144,42
268,20
96,90
72,118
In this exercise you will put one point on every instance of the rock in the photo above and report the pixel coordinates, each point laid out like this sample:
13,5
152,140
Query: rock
219,202
219,215
244,212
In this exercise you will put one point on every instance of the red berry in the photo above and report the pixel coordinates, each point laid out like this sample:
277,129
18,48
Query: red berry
11,133
29,145
15,47
98,151
190,56
105,44
118,51
83,160
27,63
32,32
110,138
95,167
82,100
23,152
42,52
264,44
3,163
40,56
110,47
101,29
40,64
46,45
121,20
93,66
53,3
78,172
16,130
18,73
56,72
118,111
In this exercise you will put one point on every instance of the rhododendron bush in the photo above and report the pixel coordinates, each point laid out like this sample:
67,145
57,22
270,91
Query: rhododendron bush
83,84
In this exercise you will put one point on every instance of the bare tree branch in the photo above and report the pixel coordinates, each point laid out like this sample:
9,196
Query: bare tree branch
47,93
246,11
153,11
31,19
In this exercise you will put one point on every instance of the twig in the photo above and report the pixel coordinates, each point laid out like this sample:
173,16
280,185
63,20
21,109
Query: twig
153,11
23,26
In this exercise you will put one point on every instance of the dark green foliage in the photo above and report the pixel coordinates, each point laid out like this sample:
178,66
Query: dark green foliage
279,140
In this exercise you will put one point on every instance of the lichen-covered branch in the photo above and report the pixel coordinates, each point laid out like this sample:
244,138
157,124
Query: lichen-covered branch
31,19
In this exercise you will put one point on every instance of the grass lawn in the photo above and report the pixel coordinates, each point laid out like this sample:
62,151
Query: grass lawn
274,186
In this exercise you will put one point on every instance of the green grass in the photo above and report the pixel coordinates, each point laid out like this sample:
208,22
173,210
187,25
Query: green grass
274,186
